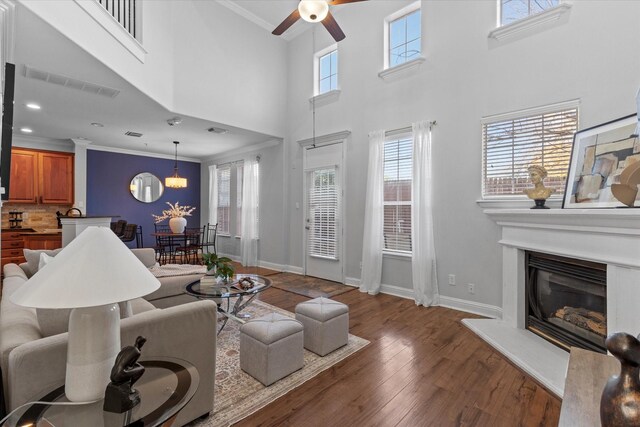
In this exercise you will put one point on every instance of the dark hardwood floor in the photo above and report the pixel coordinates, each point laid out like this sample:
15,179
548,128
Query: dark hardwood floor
422,368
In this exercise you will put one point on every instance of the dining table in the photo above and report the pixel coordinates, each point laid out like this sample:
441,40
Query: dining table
168,242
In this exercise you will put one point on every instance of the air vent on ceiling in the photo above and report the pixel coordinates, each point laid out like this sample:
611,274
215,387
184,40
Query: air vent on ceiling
70,82
134,134
218,130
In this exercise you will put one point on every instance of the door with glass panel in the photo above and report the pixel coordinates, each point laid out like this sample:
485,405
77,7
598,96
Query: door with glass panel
323,212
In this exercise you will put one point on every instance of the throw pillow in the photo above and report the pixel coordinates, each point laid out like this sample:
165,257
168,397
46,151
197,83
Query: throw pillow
33,258
44,260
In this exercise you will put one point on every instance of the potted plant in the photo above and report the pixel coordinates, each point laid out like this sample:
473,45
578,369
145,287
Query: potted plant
218,266
177,213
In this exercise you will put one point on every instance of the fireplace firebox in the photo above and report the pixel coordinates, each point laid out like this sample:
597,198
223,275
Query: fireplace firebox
566,301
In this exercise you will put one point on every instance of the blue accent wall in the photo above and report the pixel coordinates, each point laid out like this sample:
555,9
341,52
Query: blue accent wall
108,179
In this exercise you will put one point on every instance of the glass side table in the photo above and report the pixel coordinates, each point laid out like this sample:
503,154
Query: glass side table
167,385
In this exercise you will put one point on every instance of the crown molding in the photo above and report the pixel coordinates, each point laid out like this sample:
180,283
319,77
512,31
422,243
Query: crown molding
325,139
141,153
40,143
243,150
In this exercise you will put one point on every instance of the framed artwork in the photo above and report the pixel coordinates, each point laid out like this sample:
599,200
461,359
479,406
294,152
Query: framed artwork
598,157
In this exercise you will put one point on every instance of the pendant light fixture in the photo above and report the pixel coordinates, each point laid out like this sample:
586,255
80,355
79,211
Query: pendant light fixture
175,181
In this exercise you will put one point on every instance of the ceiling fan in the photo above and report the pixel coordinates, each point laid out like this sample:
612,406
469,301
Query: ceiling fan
315,11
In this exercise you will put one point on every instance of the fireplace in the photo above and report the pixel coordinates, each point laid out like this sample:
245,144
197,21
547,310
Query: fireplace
566,300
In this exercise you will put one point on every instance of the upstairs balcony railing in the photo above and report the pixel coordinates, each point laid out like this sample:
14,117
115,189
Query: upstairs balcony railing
123,11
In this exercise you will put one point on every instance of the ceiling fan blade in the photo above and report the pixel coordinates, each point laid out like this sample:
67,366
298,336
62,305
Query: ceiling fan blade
332,26
289,21
337,2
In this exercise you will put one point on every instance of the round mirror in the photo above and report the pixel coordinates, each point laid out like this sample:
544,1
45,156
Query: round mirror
146,187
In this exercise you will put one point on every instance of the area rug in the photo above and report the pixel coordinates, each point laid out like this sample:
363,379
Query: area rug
238,395
308,286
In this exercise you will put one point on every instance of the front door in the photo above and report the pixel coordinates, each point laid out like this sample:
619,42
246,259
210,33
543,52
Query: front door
323,212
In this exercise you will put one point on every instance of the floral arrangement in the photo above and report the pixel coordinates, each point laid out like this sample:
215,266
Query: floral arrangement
176,211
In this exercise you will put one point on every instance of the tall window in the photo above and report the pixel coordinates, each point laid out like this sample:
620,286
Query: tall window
397,193
511,144
328,72
239,180
514,10
323,208
405,38
224,199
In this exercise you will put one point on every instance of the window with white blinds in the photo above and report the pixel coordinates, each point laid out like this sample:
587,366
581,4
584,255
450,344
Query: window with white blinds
323,211
239,181
511,146
397,193
224,199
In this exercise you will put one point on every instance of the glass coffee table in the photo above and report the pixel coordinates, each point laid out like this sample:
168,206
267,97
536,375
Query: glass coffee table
166,386
223,293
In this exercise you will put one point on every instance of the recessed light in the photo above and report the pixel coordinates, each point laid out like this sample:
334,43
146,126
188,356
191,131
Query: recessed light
98,125
26,130
33,106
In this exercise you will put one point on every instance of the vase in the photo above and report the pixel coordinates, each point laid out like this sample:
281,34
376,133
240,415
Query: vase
177,225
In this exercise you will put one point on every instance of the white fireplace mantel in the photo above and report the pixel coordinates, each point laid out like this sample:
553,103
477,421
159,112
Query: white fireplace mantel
608,236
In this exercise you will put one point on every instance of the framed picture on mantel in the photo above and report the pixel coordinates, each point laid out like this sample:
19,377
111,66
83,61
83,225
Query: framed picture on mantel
599,156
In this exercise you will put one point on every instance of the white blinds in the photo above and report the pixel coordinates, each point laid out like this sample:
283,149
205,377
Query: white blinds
397,194
224,199
323,214
510,146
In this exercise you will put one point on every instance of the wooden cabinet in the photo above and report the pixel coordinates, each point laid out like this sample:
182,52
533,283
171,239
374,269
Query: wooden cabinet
12,245
44,177
42,241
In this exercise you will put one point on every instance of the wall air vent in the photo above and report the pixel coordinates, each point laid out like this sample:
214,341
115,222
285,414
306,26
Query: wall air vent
218,130
134,134
70,82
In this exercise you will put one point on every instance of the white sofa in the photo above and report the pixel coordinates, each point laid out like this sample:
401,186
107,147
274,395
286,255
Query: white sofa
32,362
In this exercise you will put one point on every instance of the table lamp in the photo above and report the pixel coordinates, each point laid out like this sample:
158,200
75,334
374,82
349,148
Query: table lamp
90,275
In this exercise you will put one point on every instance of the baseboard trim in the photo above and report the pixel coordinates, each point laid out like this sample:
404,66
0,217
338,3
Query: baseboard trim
269,265
473,307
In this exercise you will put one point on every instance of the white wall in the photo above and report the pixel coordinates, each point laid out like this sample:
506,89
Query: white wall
202,59
592,57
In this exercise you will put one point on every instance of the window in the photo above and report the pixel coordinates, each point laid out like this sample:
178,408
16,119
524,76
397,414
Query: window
323,208
513,142
515,10
328,72
397,193
224,199
404,38
239,180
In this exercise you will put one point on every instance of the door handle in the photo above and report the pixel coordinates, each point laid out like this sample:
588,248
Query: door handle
307,227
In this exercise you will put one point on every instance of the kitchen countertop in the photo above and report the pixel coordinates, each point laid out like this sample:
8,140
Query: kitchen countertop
33,232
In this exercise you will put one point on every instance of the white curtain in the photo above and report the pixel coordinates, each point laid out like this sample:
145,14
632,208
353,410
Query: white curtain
423,263
213,194
372,244
249,230
638,113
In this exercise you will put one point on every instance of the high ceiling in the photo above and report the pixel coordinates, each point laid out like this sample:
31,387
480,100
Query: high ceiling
68,113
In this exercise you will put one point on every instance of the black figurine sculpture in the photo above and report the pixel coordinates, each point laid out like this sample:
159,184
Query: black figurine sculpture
120,395
620,402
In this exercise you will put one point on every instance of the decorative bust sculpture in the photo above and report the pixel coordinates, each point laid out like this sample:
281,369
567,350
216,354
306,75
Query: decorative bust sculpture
120,395
539,192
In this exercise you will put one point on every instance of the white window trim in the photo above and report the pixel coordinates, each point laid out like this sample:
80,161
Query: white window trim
316,69
530,22
519,201
397,15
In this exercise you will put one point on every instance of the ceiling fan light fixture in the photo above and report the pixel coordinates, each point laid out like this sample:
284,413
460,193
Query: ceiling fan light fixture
313,10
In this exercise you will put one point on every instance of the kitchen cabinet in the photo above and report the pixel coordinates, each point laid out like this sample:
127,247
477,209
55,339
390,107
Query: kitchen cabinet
12,245
44,177
42,241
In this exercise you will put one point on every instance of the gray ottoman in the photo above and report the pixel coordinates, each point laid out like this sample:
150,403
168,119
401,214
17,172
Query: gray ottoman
271,347
326,324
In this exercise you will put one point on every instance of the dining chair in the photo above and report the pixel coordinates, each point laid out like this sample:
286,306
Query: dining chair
119,227
129,234
209,234
139,238
163,247
189,250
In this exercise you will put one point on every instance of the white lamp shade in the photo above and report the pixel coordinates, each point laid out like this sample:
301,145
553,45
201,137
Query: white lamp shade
95,269
313,10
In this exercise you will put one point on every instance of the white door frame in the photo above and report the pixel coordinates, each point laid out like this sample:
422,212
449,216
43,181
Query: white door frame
319,141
